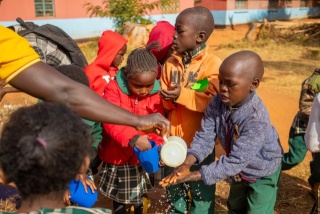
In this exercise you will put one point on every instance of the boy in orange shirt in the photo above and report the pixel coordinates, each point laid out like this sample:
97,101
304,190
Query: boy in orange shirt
190,63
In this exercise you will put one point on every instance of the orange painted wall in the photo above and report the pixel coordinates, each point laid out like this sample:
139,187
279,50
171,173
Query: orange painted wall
72,8
213,5
183,5
64,9
252,4
11,9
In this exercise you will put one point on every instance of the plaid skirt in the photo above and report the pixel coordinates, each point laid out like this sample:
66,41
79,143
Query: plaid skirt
125,183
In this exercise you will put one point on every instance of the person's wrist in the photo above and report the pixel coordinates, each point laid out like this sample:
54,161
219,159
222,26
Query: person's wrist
195,176
135,122
190,160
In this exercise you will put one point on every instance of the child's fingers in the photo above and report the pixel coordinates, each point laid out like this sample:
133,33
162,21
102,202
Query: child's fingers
91,184
66,198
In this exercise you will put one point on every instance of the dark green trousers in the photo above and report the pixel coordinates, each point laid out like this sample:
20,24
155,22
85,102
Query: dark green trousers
296,154
254,198
202,196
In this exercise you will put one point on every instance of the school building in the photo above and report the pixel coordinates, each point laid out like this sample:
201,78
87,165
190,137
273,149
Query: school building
71,15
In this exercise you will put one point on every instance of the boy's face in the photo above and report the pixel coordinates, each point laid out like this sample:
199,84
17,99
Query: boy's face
141,84
185,36
119,57
235,85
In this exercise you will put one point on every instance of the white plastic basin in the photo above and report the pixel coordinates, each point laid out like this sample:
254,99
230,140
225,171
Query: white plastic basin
174,151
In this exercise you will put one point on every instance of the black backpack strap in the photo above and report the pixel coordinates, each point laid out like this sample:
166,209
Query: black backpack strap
28,25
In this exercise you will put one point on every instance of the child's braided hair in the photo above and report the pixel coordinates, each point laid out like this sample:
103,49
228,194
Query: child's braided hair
142,60
42,148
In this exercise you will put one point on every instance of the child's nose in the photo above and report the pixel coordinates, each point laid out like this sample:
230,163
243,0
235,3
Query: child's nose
174,35
223,87
144,91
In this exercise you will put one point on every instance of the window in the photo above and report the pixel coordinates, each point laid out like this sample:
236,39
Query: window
172,8
44,7
241,4
306,3
273,4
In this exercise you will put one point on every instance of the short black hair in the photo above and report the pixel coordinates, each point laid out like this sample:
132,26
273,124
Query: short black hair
142,60
42,148
202,18
74,72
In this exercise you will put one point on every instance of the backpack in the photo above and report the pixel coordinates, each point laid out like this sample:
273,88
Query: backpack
58,37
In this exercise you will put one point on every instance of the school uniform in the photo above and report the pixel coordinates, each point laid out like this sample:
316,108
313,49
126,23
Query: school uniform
253,153
185,115
121,177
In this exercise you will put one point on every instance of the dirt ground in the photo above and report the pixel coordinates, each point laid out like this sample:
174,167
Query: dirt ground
282,109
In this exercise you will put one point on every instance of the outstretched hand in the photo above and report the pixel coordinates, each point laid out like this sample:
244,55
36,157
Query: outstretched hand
182,173
177,176
180,176
151,122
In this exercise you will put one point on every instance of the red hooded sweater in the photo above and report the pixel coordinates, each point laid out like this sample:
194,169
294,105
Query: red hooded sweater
100,71
163,33
114,147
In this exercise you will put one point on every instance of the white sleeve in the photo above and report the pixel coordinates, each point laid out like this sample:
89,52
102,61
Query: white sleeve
312,136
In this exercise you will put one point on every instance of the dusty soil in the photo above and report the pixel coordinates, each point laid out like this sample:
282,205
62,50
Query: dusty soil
282,109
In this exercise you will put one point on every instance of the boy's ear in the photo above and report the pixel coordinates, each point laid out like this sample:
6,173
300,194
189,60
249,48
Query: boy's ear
202,36
255,84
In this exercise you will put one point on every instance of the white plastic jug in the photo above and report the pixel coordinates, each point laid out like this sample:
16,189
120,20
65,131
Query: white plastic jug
174,151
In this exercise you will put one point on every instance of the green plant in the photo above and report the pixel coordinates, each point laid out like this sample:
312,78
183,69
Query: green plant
121,11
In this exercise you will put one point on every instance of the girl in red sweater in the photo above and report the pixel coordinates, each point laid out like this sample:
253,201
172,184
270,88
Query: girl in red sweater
135,89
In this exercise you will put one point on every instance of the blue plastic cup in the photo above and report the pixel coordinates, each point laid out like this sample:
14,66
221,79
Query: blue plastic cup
79,196
149,159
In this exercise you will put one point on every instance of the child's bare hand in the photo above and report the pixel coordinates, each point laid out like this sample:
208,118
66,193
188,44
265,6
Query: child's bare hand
66,198
143,143
172,94
182,177
181,171
86,182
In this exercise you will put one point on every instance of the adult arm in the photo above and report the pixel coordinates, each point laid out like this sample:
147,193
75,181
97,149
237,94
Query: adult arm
42,81
4,90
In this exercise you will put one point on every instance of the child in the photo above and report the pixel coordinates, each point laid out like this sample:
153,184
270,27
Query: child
112,48
313,144
239,119
42,148
135,89
162,32
297,146
191,63
77,74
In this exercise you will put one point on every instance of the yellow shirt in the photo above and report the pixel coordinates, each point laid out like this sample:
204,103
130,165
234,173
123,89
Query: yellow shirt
16,54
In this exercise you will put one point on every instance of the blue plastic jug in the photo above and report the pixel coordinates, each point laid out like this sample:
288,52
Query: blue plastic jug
149,159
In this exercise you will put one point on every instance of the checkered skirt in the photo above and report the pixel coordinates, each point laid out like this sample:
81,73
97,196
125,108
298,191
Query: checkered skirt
125,183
